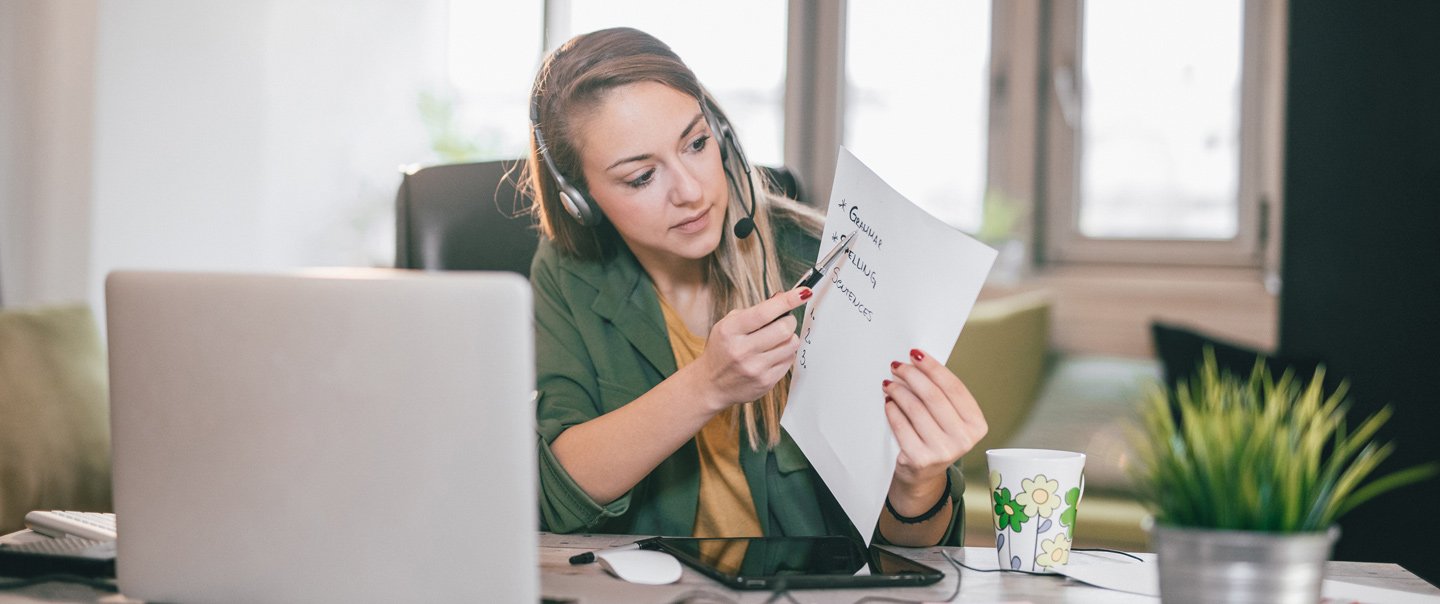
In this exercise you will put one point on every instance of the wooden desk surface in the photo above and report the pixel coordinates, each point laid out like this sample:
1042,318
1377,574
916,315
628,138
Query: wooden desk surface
589,584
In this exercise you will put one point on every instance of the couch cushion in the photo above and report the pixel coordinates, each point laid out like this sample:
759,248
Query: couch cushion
54,414
1087,405
1181,350
1001,356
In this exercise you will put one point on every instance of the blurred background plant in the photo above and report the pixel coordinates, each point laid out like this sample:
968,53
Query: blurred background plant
1000,219
449,139
1002,226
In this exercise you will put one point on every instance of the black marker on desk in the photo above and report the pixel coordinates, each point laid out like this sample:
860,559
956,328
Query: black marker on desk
813,275
589,557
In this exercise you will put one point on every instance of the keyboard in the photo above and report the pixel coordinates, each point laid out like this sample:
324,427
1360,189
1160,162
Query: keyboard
95,526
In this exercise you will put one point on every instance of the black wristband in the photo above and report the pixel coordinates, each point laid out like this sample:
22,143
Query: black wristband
930,513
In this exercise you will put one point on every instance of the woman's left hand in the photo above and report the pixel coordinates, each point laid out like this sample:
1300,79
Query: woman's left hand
936,420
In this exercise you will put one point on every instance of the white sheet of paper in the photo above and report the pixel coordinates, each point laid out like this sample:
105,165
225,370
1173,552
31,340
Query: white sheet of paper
1110,571
908,281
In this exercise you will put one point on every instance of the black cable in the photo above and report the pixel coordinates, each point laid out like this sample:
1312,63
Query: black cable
951,598
1039,574
100,584
764,265
1007,570
1109,551
764,253
700,596
777,594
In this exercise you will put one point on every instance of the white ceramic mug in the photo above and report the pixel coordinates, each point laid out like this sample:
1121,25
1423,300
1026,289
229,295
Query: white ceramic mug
1034,497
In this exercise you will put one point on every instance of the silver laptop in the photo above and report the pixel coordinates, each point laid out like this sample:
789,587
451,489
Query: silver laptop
355,435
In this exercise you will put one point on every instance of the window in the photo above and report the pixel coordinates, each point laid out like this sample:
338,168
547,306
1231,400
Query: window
1162,163
493,51
736,49
1154,140
915,100
1113,131
738,53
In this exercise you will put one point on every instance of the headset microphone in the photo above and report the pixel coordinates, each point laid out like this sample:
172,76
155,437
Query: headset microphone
744,227
725,136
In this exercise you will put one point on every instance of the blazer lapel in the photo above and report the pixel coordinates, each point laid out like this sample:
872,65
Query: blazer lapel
626,298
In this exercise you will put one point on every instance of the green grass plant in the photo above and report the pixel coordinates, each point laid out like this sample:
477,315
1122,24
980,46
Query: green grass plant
1257,453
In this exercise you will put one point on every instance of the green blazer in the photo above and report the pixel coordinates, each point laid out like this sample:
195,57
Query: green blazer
601,342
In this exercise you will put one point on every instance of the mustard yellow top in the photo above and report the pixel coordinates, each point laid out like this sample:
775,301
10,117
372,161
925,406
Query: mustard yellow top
726,508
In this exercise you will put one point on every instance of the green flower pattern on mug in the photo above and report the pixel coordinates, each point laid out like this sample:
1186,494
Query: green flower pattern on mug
1008,513
1067,518
995,486
1054,552
1040,496
1038,499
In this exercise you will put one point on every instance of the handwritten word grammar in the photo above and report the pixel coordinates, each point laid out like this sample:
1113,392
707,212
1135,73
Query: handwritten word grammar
865,228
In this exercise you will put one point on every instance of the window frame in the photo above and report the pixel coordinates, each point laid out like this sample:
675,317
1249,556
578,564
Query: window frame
1032,155
1259,157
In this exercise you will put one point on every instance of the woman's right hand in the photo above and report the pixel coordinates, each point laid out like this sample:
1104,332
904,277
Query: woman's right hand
750,349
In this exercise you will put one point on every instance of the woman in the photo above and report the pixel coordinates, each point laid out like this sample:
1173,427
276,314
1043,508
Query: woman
662,366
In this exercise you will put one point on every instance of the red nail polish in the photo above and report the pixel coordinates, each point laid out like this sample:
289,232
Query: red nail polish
894,364
889,400
917,355
806,293
885,384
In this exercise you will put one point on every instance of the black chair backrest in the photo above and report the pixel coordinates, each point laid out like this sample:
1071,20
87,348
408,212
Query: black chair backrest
471,217
463,217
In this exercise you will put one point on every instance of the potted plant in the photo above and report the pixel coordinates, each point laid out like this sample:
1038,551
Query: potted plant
1246,478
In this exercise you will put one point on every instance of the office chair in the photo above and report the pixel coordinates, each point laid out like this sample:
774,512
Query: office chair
471,217
464,217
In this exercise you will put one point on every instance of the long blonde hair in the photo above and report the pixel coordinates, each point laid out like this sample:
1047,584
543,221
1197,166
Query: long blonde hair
572,80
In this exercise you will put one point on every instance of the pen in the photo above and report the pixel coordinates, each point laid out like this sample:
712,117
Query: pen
589,557
813,275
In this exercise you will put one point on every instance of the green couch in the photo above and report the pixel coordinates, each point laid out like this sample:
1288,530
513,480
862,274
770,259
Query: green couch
54,413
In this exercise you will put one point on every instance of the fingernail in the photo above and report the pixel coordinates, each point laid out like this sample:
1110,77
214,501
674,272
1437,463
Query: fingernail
894,364
806,293
885,384
889,400
916,354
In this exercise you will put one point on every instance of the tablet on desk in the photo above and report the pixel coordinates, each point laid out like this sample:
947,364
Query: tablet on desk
774,563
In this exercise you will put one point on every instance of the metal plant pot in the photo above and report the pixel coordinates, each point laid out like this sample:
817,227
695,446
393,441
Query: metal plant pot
1204,565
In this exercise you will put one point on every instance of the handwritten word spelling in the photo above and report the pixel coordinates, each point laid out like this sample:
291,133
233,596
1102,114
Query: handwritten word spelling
864,228
865,269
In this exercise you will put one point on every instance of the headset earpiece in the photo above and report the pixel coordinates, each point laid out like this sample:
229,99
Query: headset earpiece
576,202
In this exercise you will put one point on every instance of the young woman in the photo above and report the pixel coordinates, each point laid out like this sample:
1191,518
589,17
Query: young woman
662,362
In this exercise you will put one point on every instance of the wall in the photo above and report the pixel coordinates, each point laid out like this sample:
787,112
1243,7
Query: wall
1362,239
1108,309
46,103
256,135
211,134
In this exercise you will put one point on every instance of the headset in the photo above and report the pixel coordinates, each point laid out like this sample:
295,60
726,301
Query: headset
587,213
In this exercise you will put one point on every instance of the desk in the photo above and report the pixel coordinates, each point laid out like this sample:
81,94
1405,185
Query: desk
589,584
